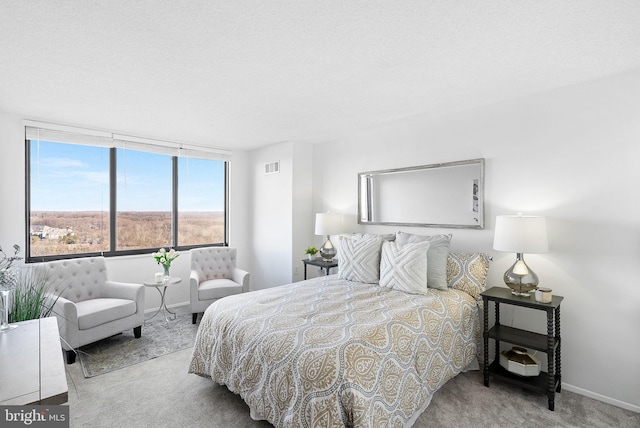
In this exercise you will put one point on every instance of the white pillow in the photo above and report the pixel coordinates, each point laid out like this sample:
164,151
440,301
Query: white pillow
404,267
436,256
359,259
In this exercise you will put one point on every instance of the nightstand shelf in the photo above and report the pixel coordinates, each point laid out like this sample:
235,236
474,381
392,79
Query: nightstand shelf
521,337
533,383
548,382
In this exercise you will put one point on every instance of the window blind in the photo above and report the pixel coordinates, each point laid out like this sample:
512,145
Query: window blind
38,131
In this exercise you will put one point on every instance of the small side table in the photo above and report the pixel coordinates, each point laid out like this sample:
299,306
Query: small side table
162,289
548,382
322,264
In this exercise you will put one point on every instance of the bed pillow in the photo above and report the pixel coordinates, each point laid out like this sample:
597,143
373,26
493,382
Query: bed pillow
468,272
404,267
436,256
358,236
382,236
359,259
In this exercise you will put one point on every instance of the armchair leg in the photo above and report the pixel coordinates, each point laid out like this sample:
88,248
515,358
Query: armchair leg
194,317
71,356
137,332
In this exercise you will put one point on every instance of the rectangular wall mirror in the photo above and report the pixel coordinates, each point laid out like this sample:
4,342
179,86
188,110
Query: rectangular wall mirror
439,195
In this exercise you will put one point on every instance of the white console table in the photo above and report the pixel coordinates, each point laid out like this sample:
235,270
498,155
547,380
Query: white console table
31,365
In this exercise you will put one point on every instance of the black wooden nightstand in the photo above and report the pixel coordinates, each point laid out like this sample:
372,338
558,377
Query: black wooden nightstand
548,382
322,264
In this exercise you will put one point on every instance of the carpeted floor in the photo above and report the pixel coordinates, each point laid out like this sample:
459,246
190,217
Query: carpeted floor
123,350
160,393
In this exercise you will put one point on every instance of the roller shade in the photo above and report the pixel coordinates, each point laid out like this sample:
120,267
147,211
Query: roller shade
38,131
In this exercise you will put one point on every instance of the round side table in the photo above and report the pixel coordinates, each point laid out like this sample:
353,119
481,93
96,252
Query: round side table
162,289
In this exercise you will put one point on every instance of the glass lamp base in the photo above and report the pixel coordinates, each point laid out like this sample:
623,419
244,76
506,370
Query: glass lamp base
520,278
328,251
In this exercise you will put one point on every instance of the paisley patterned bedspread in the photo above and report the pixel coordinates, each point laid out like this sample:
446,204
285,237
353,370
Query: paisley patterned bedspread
331,353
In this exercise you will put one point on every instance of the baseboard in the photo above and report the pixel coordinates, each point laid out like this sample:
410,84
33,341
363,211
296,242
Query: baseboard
178,305
173,306
599,397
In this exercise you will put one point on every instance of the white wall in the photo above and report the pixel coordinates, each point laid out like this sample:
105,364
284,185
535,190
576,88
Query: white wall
129,268
571,155
303,215
240,208
282,221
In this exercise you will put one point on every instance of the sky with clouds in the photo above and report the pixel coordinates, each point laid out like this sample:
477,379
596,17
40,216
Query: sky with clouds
69,177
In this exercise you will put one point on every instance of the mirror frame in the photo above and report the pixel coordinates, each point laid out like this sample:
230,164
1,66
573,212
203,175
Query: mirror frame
480,220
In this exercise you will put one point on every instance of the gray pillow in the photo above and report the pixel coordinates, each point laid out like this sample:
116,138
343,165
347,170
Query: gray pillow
436,256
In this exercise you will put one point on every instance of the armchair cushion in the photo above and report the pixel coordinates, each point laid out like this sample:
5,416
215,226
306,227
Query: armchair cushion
95,312
218,288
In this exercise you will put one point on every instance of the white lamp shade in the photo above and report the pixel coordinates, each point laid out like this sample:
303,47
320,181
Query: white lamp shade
328,223
521,234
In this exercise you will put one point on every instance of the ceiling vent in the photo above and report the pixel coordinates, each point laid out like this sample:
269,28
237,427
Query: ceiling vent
272,168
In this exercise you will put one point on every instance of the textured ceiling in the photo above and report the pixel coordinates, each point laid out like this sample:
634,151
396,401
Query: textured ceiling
248,73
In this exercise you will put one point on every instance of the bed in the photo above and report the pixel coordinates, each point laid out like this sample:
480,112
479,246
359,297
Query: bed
333,352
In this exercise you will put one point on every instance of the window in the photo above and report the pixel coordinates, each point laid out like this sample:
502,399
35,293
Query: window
69,189
201,201
143,218
95,194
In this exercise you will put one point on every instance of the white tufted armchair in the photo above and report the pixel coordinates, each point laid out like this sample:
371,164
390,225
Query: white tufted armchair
91,307
214,275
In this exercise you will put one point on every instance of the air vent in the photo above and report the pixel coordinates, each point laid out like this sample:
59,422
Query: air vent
272,168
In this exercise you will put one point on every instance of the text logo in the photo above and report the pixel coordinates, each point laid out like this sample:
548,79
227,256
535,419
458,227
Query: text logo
34,416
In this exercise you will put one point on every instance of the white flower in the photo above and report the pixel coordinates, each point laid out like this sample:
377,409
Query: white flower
165,257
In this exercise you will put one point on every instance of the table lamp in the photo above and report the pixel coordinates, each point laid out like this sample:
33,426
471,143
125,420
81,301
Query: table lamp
521,234
328,224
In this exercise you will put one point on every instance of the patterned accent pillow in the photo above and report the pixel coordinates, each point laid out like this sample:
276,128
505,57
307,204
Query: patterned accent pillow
404,268
359,259
468,272
436,256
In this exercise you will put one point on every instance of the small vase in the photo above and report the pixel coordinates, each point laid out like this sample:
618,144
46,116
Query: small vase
5,326
166,276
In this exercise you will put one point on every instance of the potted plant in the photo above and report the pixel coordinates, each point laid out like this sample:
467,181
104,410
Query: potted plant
30,290
311,252
33,296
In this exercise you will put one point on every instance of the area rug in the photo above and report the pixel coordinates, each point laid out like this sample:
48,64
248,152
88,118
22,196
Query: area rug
123,350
